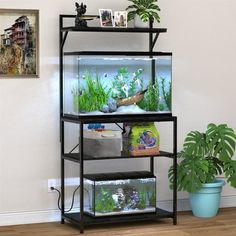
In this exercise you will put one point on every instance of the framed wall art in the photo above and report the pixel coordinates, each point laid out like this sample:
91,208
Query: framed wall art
19,43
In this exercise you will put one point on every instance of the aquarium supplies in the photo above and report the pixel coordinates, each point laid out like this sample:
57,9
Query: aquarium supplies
120,193
102,143
143,139
96,127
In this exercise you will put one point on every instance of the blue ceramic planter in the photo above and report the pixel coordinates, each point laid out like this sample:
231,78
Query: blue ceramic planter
206,202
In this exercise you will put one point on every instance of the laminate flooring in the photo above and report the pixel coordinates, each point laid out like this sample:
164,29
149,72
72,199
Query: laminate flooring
224,224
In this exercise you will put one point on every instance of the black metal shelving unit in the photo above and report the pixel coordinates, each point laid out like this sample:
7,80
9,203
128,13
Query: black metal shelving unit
81,219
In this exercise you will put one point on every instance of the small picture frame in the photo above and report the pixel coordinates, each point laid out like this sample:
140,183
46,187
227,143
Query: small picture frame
106,17
120,19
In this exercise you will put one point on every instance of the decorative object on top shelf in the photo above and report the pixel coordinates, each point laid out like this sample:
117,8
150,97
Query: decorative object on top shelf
143,11
19,43
106,18
204,156
81,10
120,19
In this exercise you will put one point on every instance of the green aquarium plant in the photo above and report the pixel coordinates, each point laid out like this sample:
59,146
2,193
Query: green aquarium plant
204,156
152,199
166,92
142,200
104,202
145,9
126,85
150,101
92,96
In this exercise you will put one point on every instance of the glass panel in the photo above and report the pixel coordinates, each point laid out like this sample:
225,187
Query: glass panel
95,85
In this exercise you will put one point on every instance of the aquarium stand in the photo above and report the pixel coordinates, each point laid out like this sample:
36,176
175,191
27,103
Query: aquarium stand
137,201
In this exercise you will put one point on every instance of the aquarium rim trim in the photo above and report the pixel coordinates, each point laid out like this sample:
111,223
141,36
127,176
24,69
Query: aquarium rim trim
119,175
117,53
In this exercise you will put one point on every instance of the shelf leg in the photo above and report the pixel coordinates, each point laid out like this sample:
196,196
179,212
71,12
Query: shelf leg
62,174
152,165
81,151
175,171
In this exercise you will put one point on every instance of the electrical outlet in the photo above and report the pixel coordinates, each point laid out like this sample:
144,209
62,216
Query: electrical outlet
51,183
56,183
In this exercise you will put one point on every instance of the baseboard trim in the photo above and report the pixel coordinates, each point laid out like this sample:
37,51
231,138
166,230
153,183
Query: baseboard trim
26,217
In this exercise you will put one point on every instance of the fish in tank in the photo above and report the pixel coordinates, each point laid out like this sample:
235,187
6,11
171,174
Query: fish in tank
96,85
120,193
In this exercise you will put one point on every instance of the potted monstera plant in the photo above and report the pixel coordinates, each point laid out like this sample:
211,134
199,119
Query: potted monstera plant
205,156
143,11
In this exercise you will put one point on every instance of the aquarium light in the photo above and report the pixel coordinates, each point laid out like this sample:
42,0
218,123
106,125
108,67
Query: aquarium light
147,180
114,182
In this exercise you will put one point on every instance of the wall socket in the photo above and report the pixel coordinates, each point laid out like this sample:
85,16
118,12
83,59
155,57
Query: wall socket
56,183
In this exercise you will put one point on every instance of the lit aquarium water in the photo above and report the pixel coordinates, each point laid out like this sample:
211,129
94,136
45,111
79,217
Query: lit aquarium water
120,193
95,85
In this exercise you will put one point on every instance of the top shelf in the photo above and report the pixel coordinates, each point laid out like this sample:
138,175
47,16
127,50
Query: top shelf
114,29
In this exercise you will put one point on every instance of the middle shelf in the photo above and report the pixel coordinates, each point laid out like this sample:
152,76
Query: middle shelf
124,155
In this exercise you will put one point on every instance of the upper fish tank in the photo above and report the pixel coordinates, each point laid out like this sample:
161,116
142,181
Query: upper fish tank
108,85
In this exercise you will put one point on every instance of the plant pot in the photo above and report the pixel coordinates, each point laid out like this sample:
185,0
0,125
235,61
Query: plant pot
138,23
206,202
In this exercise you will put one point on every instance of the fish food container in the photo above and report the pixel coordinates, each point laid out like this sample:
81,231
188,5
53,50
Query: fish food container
143,139
119,84
105,143
120,193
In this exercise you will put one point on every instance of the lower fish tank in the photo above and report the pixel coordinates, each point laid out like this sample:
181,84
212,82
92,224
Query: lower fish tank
120,193
105,85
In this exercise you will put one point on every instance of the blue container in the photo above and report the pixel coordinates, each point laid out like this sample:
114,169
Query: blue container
206,202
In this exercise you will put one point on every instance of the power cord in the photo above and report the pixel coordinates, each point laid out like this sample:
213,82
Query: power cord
73,198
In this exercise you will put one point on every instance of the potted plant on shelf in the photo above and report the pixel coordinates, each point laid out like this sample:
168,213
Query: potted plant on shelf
143,11
205,156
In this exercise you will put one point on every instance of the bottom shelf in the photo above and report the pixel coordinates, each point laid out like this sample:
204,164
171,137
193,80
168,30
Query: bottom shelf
89,220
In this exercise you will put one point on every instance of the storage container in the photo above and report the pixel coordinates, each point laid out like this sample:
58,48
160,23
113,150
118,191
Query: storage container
120,193
102,143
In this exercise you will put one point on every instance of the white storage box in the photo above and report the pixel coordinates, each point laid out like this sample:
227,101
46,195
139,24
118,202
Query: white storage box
106,143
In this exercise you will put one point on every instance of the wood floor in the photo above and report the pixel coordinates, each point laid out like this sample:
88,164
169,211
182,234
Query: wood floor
224,224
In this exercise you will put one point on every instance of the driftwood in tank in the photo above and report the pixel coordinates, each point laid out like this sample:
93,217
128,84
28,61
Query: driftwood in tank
131,100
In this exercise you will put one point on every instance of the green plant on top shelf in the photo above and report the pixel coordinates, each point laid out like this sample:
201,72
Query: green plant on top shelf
92,96
166,92
150,101
145,9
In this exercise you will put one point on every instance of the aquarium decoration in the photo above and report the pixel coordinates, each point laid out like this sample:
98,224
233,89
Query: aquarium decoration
166,91
150,101
120,193
91,97
143,139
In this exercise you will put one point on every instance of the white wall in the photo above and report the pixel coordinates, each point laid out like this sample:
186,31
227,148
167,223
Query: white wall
202,38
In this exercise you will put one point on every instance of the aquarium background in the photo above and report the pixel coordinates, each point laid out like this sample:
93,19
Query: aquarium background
104,85
120,196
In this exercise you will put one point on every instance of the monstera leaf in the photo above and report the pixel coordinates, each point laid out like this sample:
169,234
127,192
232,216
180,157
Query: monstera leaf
195,144
230,172
191,173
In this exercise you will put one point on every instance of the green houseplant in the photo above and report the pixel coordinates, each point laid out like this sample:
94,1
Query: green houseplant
204,156
146,10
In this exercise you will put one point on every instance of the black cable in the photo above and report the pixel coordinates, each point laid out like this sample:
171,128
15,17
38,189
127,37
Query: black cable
73,198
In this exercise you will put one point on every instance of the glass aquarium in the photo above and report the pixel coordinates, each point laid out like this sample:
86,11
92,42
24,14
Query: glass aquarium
105,85
120,193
